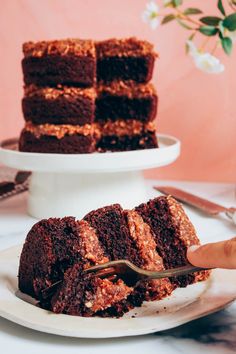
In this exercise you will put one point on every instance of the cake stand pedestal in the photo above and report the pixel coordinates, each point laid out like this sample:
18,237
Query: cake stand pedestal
75,184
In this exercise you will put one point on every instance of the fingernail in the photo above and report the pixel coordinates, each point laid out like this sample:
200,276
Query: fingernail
193,248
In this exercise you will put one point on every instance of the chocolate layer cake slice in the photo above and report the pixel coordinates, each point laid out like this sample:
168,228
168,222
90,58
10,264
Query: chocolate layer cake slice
68,62
125,59
59,105
58,139
154,236
127,100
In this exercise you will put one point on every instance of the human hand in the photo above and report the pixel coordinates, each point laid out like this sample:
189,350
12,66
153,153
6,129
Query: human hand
214,255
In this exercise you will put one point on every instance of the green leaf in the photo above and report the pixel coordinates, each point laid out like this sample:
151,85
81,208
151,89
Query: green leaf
184,25
168,18
221,7
227,45
176,3
192,11
210,20
230,22
208,30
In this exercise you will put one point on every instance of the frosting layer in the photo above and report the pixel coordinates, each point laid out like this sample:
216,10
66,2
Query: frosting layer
62,47
109,128
124,47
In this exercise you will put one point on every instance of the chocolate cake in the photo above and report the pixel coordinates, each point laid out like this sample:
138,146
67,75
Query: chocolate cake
119,135
59,105
127,100
125,135
67,111
125,59
154,236
66,62
50,138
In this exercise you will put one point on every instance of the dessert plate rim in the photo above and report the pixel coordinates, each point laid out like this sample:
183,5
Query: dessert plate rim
183,306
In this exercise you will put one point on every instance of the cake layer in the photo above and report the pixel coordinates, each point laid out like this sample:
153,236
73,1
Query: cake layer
67,62
127,100
145,140
69,144
59,105
120,135
125,59
50,248
173,233
72,105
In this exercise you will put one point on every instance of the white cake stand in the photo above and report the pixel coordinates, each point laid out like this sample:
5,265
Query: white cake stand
63,184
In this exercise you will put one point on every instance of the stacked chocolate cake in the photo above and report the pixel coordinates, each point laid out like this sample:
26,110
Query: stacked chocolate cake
154,236
83,96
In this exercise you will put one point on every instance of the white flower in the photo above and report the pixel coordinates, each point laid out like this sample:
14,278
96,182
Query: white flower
232,35
151,15
208,63
205,61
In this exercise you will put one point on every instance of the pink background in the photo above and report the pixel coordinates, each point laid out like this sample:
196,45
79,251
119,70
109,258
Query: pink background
197,108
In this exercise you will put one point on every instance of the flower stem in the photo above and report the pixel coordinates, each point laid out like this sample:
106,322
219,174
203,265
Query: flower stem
215,47
204,43
182,16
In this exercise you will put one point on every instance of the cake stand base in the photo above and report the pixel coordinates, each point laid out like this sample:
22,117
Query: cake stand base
58,195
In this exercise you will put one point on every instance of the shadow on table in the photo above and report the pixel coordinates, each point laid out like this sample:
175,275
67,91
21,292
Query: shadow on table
216,329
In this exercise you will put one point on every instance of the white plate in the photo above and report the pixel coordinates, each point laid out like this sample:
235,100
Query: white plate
182,306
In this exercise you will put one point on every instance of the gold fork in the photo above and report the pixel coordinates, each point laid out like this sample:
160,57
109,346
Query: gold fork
128,272
131,274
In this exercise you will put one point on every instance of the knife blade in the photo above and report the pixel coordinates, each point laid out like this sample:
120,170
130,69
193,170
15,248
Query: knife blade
197,202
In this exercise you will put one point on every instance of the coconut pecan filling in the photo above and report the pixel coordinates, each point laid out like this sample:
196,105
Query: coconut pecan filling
62,47
124,48
52,93
91,249
141,233
119,128
129,89
59,130
107,293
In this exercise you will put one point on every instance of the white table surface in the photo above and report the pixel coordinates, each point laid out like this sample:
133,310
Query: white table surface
213,334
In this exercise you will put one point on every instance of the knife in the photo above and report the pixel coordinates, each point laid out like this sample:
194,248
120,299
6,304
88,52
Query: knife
202,204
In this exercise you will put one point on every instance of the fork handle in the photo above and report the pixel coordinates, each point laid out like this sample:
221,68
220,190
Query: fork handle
188,269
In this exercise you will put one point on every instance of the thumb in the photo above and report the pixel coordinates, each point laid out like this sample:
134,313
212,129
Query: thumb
214,255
